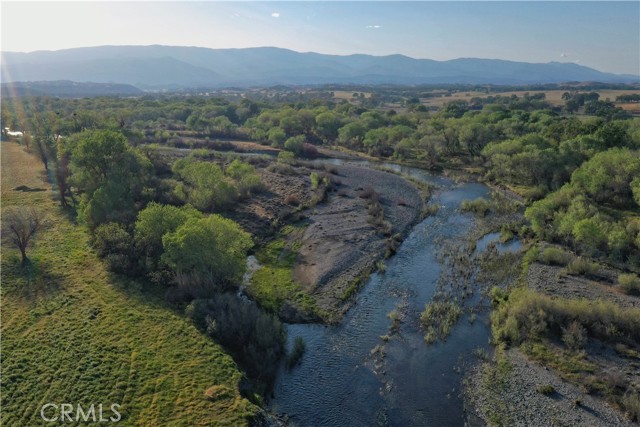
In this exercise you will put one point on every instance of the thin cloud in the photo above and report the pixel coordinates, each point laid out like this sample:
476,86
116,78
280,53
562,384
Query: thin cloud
375,27
275,15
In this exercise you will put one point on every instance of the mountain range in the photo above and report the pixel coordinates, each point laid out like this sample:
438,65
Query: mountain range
173,67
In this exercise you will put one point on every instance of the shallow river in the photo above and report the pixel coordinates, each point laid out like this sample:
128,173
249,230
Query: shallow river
339,382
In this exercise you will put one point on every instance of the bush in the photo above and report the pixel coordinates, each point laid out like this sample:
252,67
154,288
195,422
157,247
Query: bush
526,314
255,339
295,145
478,206
574,336
245,177
368,192
631,404
204,185
308,151
546,389
438,318
292,200
114,243
281,169
296,353
629,284
583,267
286,157
315,180
554,256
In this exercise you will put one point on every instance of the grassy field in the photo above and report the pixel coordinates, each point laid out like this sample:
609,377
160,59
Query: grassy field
348,95
72,333
273,283
553,96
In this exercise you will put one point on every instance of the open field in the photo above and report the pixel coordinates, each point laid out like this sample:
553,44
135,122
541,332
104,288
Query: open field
348,95
71,332
553,96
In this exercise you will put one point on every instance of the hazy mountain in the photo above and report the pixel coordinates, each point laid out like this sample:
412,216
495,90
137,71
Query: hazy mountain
172,67
66,89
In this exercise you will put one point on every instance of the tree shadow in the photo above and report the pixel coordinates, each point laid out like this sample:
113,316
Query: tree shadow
30,281
71,213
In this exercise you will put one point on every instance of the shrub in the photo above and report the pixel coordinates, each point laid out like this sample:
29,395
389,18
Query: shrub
438,318
546,389
574,336
504,204
286,157
114,243
526,314
255,339
315,180
292,200
554,256
629,284
583,267
478,206
295,145
281,169
245,176
631,404
368,192
296,353
308,151
203,185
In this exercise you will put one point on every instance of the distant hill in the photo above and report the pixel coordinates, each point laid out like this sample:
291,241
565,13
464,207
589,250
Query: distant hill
67,89
170,67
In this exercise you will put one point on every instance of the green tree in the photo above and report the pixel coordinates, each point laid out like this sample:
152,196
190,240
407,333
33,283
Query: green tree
295,144
635,188
607,177
207,253
276,136
328,124
98,157
352,135
111,175
245,176
154,222
203,185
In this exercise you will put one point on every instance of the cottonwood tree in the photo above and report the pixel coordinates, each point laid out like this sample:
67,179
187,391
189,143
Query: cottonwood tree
207,254
20,225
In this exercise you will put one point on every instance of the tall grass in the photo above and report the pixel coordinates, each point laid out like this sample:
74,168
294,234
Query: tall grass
527,314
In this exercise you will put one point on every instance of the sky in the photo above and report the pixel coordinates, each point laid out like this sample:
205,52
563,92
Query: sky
603,35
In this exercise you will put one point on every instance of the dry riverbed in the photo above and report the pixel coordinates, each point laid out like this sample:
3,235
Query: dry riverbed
511,392
342,241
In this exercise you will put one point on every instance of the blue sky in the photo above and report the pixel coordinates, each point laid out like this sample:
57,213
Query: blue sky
602,35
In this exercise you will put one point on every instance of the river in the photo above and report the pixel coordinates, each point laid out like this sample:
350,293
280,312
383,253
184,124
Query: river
350,376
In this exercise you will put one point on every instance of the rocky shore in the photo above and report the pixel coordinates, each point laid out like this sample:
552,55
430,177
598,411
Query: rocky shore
517,401
343,240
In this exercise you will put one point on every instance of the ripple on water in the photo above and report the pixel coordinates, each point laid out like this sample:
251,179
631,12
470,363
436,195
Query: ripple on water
339,383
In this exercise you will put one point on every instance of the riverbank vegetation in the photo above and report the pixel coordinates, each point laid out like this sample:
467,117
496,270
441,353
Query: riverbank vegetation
74,332
174,191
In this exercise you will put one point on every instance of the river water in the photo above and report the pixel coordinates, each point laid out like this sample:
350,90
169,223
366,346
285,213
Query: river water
350,376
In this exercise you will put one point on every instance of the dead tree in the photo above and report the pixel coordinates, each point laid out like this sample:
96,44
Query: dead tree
19,225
